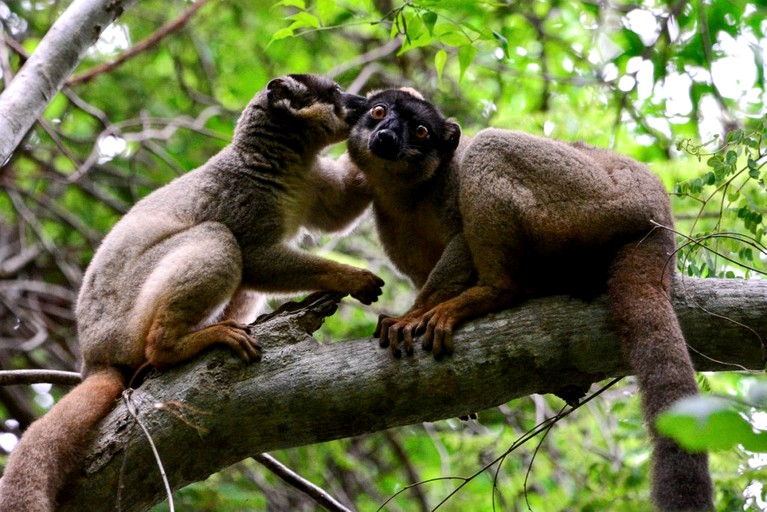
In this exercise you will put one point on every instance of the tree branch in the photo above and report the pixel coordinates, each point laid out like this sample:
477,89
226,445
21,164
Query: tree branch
164,31
53,61
9,377
304,392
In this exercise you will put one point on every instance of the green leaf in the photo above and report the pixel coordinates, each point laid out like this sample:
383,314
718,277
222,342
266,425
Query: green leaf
281,34
465,58
734,137
416,35
503,42
429,20
325,10
439,62
706,424
414,26
454,38
304,19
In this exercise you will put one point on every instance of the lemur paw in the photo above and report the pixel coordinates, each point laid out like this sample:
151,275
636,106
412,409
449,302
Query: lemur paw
242,340
366,287
392,330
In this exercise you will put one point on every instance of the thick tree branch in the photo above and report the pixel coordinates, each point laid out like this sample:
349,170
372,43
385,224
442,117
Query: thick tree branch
53,61
216,411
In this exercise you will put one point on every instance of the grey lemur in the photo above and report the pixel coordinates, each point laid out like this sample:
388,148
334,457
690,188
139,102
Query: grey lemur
178,272
481,223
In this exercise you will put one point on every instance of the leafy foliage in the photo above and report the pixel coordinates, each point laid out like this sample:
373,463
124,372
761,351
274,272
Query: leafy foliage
651,79
734,187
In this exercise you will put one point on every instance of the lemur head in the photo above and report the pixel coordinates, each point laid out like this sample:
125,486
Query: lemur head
311,105
402,134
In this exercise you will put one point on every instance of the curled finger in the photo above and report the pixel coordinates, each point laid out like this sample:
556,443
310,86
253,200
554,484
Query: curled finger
393,336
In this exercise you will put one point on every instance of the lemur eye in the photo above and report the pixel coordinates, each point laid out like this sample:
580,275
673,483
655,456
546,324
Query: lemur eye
378,112
421,132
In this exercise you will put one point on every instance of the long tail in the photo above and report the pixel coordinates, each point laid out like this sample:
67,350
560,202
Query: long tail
51,448
639,289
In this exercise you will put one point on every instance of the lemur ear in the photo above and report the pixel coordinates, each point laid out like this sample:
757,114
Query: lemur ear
451,134
278,89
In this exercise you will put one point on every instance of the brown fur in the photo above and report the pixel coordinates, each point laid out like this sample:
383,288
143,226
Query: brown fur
59,440
511,216
178,273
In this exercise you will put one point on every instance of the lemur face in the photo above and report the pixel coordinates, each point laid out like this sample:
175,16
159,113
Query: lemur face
402,133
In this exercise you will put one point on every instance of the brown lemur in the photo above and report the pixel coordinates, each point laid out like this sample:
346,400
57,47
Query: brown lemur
481,223
178,273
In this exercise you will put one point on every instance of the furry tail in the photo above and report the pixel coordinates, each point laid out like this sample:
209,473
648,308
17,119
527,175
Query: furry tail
51,448
640,293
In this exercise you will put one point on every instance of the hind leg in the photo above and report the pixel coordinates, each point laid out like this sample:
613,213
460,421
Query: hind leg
188,291
640,305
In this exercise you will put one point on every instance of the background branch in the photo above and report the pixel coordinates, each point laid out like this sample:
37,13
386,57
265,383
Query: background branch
164,31
9,377
50,65
292,478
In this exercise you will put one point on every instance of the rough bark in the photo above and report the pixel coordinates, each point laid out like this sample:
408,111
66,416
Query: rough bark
50,65
216,411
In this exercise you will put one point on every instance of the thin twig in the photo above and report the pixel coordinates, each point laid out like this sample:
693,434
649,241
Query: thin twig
294,479
128,396
532,460
11,377
148,133
544,425
366,58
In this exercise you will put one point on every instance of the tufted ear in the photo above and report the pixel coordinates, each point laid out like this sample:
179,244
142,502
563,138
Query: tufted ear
451,135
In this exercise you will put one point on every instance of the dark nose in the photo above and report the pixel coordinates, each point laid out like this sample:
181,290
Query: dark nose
385,144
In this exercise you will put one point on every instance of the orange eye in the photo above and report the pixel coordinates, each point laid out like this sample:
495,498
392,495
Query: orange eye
421,132
378,112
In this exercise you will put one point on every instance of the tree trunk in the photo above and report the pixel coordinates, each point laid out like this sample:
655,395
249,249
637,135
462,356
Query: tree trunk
50,65
216,411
